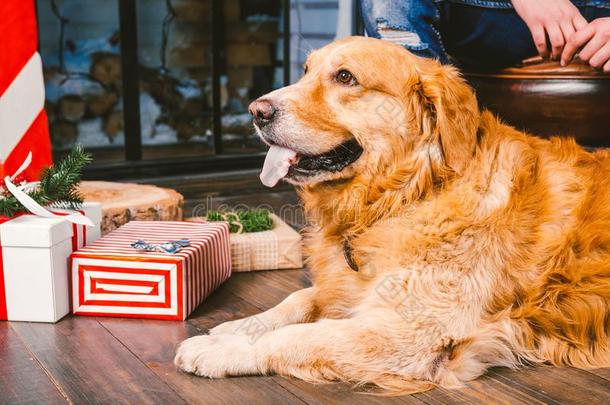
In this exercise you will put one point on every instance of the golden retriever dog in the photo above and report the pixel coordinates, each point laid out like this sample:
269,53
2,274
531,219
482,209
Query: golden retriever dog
442,241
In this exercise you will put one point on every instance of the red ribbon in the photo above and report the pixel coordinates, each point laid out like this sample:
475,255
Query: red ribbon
3,303
3,308
75,231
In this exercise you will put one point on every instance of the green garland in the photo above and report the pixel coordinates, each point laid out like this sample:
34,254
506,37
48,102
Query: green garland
256,220
57,188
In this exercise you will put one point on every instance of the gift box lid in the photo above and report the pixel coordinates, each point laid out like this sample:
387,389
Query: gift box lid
92,210
118,242
33,231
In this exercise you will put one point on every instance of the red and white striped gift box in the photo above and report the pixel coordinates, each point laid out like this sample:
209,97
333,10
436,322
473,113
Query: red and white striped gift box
23,121
110,278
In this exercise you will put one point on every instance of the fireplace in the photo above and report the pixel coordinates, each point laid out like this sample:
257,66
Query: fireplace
157,87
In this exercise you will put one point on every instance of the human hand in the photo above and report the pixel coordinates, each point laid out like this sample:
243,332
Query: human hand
596,36
557,19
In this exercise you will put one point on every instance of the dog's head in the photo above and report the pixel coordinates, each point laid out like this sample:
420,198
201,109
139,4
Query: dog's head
362,106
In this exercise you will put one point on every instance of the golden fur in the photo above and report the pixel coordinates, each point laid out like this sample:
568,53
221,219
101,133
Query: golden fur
478,245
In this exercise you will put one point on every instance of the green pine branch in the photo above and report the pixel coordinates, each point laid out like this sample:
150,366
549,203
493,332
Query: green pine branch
58,185
256,220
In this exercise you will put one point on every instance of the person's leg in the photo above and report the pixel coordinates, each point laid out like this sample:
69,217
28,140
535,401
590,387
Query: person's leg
477,34
410,23
494,36
597,9
485,38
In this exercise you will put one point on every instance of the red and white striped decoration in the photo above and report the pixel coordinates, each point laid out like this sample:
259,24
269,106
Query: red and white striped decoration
23,121
110,278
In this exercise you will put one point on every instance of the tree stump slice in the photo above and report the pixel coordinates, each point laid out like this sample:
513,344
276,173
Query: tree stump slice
124,202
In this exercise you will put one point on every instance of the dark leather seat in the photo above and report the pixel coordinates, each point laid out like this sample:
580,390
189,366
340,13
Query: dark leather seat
544,98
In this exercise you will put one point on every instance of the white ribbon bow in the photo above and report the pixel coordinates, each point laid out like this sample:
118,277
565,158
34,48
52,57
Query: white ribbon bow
28,202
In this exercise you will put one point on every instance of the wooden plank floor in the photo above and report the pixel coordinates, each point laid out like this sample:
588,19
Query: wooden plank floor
108,361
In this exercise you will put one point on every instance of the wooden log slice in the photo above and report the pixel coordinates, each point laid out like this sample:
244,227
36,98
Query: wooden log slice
101,104
71,107
106,69
113,124
124,202
63,133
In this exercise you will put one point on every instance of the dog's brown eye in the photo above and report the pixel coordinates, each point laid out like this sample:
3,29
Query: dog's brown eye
345,77
305,67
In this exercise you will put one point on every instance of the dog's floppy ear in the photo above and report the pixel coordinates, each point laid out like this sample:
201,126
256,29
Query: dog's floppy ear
452,113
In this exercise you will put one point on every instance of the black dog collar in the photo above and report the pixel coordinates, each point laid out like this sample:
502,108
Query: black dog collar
349,254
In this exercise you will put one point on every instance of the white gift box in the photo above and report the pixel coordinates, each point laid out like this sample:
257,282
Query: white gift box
34,254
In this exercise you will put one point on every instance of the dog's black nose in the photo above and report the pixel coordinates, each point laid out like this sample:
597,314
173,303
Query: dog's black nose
263,111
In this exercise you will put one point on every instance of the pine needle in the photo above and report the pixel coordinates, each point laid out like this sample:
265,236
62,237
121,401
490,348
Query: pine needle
255,220
58,185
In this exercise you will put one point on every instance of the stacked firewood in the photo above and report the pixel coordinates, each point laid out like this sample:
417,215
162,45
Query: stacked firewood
70,109
185,115
249,45
248,67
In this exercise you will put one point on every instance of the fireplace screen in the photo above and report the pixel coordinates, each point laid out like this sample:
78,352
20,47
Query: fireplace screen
159,79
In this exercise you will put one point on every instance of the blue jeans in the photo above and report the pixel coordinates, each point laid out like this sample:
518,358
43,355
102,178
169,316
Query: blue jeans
475,34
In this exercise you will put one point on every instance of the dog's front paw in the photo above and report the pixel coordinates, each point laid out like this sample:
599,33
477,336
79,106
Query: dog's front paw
229,328
216,356
253,327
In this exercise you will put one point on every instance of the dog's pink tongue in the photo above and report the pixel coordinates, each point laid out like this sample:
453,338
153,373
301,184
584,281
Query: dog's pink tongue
277,163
